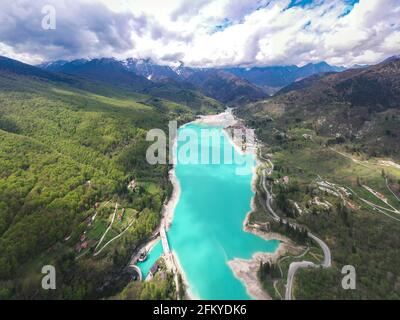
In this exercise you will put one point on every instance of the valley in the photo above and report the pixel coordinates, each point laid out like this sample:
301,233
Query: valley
73,163
180,153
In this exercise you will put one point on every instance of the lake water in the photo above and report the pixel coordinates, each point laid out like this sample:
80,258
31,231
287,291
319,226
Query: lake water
207,229
154,254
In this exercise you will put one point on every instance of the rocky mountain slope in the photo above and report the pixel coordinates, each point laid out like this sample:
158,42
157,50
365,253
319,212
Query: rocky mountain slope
271,79
359,104
162,81
233,86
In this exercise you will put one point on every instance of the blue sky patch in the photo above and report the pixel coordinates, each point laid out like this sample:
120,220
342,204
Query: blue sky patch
303,3
222,26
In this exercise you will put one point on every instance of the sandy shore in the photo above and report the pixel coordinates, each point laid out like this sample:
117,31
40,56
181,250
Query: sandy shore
169,207
189,294
224,119
246,270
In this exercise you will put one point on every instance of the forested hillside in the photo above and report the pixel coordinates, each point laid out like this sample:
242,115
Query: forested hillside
360,105
120,75
333,141
67,156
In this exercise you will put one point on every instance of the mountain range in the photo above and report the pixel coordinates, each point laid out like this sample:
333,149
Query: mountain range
356,99
232,86
272,79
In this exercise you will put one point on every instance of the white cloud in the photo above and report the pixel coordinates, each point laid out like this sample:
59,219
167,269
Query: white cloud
211,33
9,52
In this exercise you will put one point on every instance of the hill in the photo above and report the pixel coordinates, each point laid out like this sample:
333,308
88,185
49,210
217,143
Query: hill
333,142
68,150
222,85
122,76
361,105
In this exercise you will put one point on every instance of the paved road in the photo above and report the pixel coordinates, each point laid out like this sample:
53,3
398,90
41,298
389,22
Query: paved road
327,253
139,272
294,266
268,201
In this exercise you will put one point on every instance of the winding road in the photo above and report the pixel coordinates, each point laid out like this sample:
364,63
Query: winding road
294,266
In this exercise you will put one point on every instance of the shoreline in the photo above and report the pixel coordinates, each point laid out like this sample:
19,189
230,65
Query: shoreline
222,119
244,270
225,118
247,270
169,207
168,213
189,294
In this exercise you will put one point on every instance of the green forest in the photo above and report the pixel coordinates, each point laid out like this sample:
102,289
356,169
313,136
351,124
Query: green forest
67,154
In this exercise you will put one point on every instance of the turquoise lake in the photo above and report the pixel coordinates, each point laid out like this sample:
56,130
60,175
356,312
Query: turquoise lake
207,228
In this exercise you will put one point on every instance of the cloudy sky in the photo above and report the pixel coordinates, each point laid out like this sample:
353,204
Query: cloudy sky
209,33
